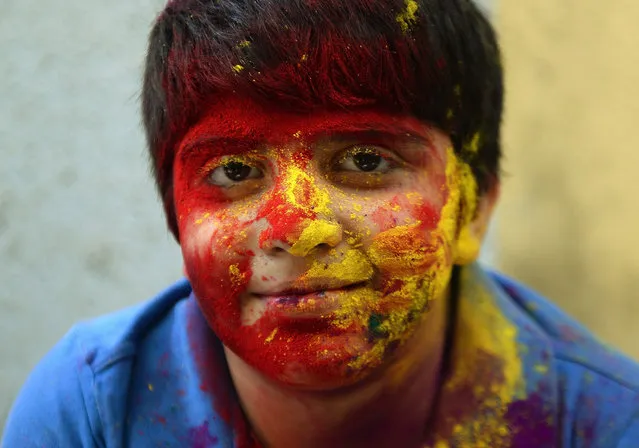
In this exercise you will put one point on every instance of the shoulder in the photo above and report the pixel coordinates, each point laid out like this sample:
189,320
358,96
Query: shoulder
597,386
57,405
572,343
108,339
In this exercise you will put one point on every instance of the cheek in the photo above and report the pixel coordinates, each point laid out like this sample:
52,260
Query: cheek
404,251
218,261
409,242
407,209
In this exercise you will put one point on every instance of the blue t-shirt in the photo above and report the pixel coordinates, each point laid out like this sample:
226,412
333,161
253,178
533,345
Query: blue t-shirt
520,373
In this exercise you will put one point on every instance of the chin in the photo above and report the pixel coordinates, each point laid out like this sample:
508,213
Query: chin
331,366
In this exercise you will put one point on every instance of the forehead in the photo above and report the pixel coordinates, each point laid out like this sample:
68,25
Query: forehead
241,118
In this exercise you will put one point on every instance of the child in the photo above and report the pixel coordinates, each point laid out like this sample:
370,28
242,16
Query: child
328,169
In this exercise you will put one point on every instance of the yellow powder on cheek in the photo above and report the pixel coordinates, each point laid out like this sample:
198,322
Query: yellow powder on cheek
201,220
422,263
447,227
237,278
356,307
468,243
354,267
396,324
462,196
401,249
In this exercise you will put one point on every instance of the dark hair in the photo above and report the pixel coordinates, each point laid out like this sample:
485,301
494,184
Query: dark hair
437,60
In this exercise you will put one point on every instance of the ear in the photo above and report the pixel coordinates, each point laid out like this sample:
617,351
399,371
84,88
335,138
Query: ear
472,234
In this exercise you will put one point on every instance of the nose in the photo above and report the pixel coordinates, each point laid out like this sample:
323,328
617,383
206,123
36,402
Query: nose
316,234
313,234
299,216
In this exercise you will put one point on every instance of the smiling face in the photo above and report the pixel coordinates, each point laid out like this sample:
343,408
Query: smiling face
315,244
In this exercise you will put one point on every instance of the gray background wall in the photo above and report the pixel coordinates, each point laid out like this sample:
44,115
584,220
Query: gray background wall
81,232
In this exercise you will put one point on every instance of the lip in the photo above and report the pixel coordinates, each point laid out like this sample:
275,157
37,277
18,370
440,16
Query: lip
305,287
302,303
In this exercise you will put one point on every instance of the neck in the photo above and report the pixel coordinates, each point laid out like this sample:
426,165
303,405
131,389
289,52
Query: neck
389,409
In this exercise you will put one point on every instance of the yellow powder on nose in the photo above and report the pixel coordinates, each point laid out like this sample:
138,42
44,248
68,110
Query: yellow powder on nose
315,233
238,68
298,184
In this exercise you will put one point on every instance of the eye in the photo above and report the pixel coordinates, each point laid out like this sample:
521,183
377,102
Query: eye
232,173
365,159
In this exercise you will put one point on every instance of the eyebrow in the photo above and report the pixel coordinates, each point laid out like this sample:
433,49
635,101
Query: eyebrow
215,145
374,134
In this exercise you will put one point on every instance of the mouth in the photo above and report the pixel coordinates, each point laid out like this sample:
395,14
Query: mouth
317,290
308,303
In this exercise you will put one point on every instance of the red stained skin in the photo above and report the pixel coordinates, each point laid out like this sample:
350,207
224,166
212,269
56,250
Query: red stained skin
323,350
284,219
386,216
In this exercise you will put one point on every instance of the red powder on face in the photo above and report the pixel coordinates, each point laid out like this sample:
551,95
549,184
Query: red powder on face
427,213
218,258
285,220
302,158
384,217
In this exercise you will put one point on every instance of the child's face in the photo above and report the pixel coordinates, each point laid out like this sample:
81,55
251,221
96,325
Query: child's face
315,243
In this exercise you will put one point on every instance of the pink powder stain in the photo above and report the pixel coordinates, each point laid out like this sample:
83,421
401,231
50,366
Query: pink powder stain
159,419
200,437
163,365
